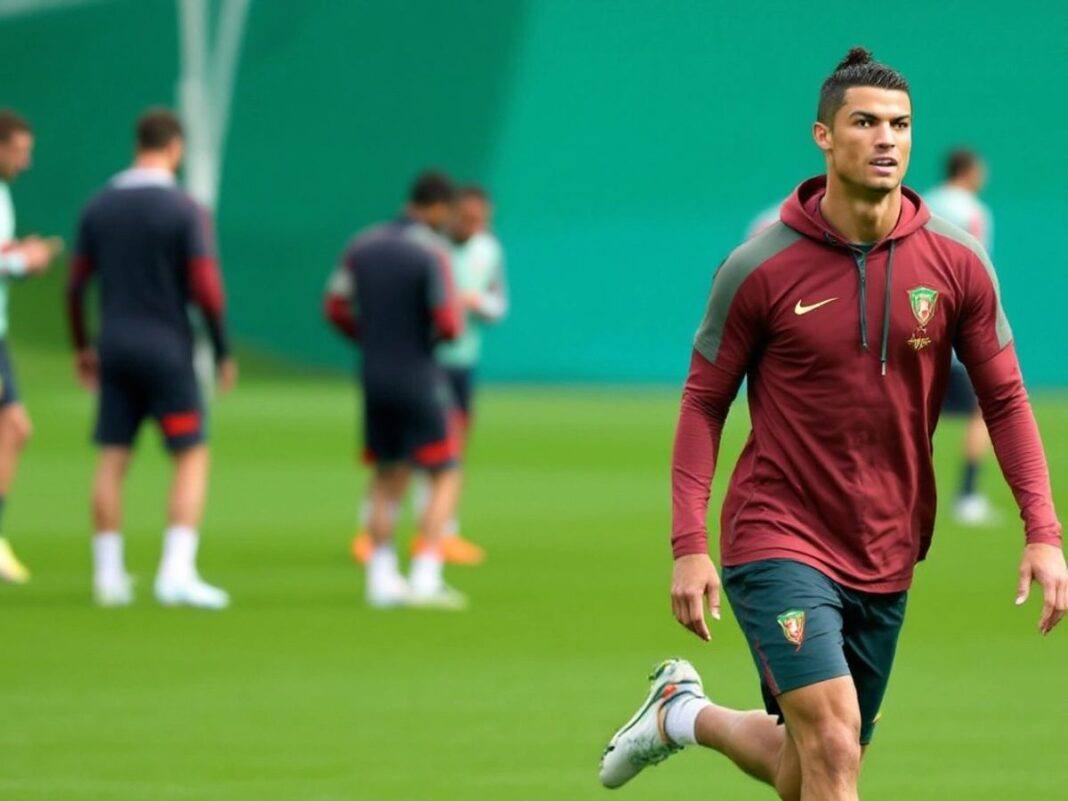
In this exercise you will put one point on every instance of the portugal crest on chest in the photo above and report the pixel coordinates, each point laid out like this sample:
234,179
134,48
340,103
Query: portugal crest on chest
923,301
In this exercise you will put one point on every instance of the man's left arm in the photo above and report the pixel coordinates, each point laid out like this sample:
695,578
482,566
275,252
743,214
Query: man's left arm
985,346
491,302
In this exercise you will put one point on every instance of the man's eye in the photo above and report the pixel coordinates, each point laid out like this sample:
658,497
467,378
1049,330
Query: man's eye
863,123
901,125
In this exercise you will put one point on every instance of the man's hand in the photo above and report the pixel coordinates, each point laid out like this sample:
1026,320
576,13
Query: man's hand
87,367
37,253
227,375
471,300
695,579
1045,564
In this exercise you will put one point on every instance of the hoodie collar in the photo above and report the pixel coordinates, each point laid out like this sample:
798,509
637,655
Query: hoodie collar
801,211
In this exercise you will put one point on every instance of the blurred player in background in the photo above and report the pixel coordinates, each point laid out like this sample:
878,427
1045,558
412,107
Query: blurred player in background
149,245
957,200
18,259
478,268
393,293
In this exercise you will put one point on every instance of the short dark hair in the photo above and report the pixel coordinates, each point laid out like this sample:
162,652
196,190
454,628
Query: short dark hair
858,68
474,191
430,188
11,123
959,161
157,128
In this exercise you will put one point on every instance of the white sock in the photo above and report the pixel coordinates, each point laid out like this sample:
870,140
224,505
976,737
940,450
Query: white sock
179,559
680,721
426,572
108,562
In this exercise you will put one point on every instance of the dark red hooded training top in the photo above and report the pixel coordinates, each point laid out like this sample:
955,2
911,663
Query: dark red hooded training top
847,353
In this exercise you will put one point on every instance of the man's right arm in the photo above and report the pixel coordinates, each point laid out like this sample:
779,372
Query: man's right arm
729,337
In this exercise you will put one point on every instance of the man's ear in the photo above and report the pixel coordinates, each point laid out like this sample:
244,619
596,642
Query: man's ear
822,136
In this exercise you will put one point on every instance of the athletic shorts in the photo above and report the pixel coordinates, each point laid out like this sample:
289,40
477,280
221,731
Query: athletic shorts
462,383
140,383
960,397
803,628
421,428
9,390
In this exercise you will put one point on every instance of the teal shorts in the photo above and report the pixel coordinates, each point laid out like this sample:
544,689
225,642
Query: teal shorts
802,628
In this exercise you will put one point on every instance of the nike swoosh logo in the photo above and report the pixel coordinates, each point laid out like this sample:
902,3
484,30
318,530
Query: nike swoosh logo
800,308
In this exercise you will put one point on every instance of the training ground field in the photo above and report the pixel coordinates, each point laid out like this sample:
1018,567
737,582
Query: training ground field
300,692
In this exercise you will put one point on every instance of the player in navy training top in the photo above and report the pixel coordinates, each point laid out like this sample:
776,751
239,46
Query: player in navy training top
149,246
393,293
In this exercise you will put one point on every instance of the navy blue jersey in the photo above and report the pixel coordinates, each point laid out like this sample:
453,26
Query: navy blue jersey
393,292
149,245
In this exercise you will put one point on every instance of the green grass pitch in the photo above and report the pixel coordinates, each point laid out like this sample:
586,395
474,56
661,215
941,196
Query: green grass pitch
300,692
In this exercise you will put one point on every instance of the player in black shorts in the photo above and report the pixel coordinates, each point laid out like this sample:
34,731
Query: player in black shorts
148,245
393,293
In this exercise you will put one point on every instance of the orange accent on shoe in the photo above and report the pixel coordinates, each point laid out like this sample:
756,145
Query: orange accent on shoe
362,547
455,550
668,691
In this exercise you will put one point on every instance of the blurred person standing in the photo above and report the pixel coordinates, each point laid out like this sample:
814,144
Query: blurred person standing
392,293
478,268
149,245
18,259
957,201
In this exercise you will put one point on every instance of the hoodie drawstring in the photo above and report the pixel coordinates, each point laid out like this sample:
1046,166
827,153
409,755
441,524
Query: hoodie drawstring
886,306
860,257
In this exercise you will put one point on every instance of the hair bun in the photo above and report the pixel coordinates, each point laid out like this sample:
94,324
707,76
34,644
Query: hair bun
856,56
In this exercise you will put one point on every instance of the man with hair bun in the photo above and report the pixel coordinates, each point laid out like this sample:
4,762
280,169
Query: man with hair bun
843,315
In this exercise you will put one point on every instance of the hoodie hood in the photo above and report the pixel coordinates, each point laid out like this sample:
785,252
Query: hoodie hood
801,211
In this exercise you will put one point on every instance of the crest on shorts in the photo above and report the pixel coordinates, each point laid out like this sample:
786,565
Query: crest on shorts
792,622
923,301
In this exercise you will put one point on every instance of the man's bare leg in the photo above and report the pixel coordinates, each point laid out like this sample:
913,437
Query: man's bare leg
817,758
15,431
385,585
111,583
178,582
426,579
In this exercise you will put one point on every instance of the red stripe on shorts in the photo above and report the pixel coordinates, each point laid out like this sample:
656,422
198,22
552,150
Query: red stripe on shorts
180,423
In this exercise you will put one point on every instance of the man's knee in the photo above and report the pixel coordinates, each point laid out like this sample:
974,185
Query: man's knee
832,747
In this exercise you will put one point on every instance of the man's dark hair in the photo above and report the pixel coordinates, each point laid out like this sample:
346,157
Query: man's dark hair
472,191
430,188
858,68
11,123
157,128
959,161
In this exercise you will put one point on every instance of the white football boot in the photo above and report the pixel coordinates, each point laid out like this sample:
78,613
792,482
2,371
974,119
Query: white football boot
441,597
974,510
641,741
11,569
190,590
112,591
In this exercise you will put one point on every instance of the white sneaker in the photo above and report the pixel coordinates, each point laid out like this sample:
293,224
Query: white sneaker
640,742
190,590
387,590
11,569
113,591
441,597
973,510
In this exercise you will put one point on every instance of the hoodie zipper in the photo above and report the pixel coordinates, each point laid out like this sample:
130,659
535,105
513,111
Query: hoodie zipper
860,258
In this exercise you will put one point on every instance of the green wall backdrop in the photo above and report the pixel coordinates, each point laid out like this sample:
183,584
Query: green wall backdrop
628,144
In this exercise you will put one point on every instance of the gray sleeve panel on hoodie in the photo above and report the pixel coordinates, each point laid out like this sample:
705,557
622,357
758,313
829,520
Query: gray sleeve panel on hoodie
937,225
738,266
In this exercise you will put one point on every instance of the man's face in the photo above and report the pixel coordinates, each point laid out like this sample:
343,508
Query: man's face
472,216
15,154
438,215
870,138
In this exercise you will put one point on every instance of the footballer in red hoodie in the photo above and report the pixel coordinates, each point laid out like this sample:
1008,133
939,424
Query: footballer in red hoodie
843,316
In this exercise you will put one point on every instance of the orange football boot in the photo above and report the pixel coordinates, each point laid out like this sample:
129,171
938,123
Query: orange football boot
455,550
362,547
